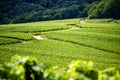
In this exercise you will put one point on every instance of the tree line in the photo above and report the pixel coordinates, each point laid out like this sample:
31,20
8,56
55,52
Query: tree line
19,11
104,9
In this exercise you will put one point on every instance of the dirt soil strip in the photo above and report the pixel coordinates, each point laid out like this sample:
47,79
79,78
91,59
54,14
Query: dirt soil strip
39,37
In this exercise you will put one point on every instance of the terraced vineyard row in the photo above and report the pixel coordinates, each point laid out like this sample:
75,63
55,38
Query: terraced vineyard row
96,40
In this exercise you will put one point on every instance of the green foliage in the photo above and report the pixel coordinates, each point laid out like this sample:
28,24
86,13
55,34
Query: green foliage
104,9
27,68
19,11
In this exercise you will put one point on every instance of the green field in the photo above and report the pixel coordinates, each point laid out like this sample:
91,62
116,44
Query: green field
97,40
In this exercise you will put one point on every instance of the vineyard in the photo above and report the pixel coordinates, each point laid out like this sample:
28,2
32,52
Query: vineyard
97,40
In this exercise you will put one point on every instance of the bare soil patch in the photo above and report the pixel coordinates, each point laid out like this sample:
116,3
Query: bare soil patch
39,37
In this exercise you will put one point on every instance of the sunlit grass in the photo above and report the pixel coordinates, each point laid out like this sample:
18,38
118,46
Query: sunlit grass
98,40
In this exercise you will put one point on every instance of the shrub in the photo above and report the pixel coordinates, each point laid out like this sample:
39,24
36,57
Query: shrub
27,68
